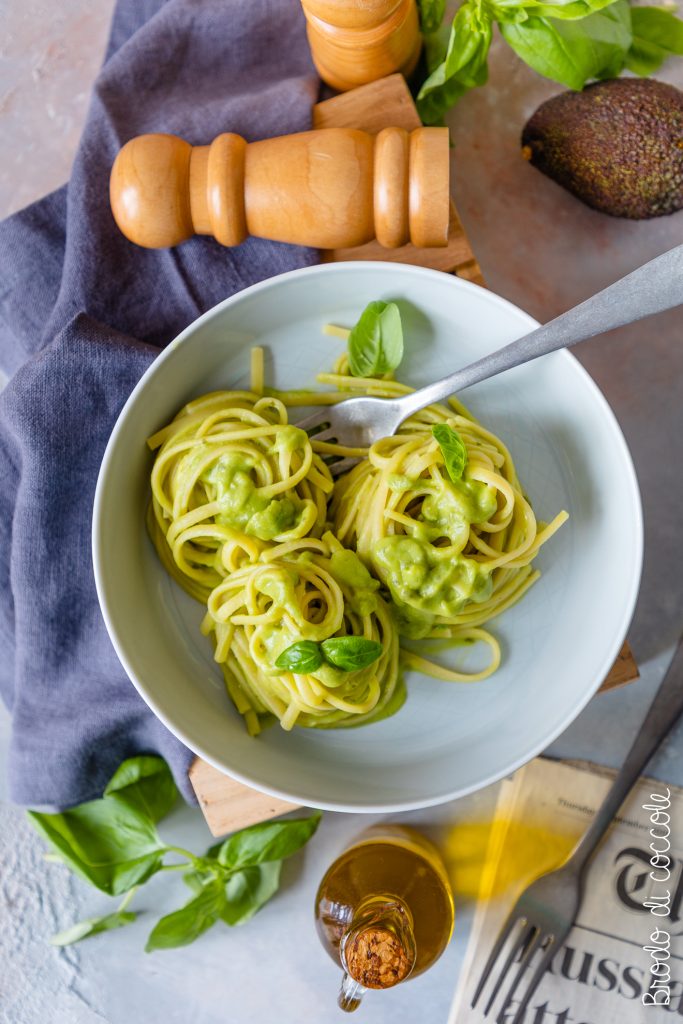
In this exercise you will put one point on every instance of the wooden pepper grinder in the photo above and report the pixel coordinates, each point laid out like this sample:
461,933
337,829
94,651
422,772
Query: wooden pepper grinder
358,41
329,189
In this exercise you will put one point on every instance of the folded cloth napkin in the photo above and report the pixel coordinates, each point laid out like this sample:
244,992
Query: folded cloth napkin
82,314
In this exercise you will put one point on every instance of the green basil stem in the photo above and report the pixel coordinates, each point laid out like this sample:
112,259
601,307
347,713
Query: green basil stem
126,899
197,862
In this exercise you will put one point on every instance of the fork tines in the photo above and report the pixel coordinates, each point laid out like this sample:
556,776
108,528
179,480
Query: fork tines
525,939
319,428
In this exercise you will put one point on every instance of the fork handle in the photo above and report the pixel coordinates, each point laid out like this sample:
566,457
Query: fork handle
652,288
664,712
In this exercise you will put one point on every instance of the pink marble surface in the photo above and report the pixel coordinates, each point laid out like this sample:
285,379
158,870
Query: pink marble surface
537,244
49,55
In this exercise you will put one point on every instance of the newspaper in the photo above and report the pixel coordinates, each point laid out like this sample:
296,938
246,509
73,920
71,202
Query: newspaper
622,963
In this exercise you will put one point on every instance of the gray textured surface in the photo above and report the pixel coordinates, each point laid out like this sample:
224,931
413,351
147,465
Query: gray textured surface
538,247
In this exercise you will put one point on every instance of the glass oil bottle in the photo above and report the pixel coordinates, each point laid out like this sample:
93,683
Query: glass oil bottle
384,910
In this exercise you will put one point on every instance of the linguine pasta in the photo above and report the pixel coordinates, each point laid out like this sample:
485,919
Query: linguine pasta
303,590
452,556
230,475
246,517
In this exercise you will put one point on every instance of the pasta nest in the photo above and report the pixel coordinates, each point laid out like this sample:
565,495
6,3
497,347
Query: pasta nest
231,476
300,590
465,546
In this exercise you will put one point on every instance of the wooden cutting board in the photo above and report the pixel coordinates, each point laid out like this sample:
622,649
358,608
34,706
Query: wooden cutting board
228,805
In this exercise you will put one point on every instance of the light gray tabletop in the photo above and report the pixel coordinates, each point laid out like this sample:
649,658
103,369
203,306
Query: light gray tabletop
541,249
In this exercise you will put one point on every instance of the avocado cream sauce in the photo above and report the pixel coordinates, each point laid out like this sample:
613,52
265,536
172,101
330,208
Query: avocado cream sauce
243,507
425,580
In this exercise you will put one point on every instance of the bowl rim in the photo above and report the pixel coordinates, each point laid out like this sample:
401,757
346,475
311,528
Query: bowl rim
455,792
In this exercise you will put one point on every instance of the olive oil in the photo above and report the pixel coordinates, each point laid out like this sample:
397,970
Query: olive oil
384,910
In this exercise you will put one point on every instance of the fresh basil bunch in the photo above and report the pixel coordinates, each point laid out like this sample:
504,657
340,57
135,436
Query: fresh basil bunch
568,41
113,843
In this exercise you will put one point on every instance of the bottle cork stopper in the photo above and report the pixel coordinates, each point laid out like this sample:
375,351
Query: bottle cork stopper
376,958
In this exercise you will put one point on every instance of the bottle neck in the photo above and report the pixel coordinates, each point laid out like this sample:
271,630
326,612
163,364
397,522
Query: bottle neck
377,949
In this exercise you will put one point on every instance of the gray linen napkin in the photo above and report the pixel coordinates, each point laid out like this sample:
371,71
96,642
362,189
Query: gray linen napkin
82,314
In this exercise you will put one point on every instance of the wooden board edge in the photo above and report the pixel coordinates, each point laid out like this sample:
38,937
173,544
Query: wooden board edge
623,671
228,805
448,258
370,108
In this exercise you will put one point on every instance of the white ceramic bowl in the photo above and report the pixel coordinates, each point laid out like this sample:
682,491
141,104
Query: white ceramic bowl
558,643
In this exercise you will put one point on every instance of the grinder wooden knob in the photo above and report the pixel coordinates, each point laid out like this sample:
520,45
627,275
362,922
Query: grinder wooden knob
358,41
331,188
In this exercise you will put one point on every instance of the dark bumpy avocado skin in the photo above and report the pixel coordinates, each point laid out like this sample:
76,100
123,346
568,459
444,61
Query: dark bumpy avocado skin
618,146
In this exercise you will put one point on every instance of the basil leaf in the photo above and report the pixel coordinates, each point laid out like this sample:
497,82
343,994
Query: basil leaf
376,342
267,841
464,66
573,52
301,657
196,880
185,925
146,785
431,14
106,842
248,889
436,47
213,851
562,10
92,926
657,34
453,450
351,653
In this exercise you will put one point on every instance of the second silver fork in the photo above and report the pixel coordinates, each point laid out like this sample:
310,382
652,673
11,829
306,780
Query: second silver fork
545,912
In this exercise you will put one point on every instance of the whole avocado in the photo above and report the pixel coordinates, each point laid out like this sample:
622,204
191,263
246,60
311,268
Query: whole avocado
617,146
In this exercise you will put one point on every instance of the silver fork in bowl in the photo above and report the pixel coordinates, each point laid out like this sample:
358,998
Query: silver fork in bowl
652,288
543,915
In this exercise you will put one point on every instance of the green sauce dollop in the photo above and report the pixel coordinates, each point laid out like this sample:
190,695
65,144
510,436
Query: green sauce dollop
426,580
243,507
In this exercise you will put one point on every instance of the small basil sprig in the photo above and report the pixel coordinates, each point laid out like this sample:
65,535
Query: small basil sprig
456,63
375,344
113,843
349,653
183,926
568,41
453,450
267,841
